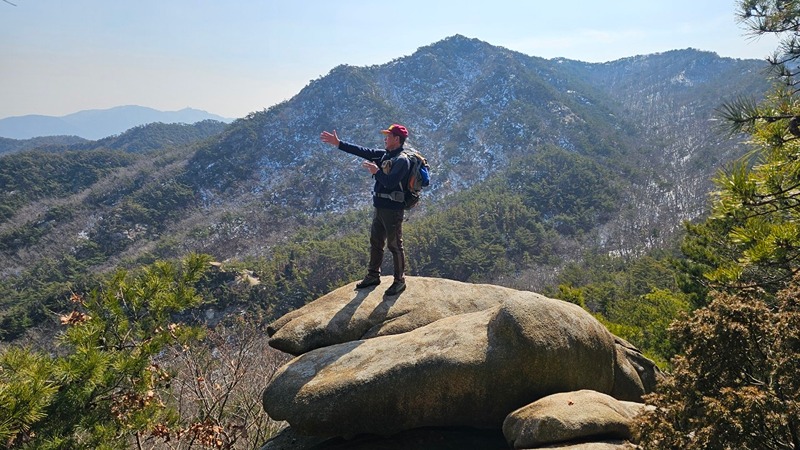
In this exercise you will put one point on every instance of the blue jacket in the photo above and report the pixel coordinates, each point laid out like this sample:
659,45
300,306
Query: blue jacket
384,184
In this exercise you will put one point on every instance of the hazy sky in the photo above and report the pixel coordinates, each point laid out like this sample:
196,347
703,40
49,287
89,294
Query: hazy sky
237,56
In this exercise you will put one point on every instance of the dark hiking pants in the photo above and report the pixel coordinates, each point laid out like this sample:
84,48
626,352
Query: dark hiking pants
387,229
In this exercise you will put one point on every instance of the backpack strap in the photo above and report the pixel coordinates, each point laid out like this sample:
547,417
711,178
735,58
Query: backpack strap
396,196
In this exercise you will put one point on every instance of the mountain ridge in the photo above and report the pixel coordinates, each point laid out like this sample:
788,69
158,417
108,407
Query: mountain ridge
488,113
96,124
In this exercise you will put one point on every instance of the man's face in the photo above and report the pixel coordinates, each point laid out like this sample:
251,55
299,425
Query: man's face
391,142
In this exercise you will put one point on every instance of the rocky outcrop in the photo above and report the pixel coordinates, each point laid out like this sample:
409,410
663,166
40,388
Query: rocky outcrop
346,315
383,365
429,438
569,417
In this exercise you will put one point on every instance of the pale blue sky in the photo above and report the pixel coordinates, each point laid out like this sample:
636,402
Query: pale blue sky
237,56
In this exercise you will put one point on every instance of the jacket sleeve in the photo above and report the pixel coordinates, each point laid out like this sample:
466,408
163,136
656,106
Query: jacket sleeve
370,154
400,168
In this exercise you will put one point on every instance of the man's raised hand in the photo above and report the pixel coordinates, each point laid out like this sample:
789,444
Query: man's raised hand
329,138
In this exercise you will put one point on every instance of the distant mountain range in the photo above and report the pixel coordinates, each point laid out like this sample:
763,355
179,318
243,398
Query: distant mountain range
98,123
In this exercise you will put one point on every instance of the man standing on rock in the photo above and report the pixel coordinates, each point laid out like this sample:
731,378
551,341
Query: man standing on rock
388,167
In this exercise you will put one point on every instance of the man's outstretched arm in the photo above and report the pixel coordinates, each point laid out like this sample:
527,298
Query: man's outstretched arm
370,154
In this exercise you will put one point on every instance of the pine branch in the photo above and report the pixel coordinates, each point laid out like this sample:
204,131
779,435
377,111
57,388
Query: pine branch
741,114
784,194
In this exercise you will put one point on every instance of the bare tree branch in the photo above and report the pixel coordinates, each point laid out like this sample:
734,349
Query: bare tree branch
12,4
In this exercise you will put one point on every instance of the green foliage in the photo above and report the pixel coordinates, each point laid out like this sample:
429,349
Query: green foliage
489,234
232,158
571,294
705,246
752,238
754,224
647,318
18,145
735,385
146,210
636,299
28,385
31,297
509,222
158,136
498,229
305,269
761,208
17,238
33,175
604,279
571,192
105,387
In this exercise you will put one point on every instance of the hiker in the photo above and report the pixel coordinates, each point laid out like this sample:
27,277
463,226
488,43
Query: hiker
388,167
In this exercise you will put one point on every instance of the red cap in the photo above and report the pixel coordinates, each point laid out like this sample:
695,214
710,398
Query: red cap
397,130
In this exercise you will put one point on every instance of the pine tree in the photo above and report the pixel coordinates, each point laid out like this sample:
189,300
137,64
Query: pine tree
735,384
105,388
758,204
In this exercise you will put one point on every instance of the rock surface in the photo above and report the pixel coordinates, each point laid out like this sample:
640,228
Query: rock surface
605,445
467,370
417,439
347,315
569,417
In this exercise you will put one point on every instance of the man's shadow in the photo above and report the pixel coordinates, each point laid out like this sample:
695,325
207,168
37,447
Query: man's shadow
375,318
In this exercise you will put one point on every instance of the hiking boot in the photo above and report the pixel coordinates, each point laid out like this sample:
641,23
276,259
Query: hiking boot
369,280
396,288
